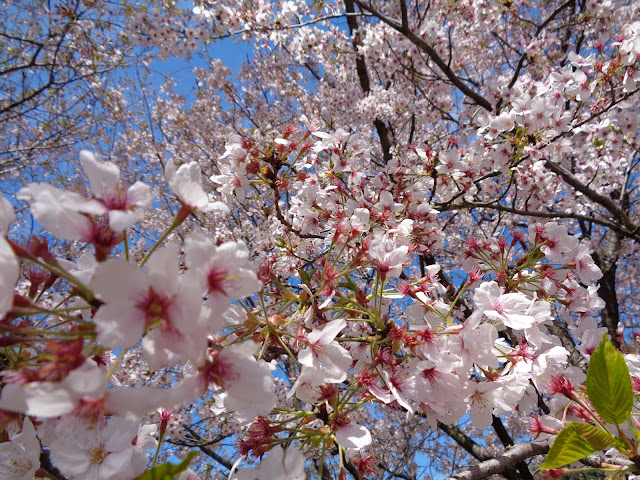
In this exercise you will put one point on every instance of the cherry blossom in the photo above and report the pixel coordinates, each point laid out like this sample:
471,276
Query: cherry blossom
508,308
64,214
52,399
220,272
154,302
389,260
186,183
98,451
324,360
287,464
9,268
21,454
125,206
353,436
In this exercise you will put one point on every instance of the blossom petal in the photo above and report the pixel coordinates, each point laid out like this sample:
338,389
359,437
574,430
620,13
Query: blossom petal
353,436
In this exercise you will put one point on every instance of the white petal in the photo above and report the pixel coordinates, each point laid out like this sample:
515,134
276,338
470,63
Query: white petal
163,270
104,177
119,325
140,194
43,399
6,215
119,281
87,381
120,220
331,331
353,436
9,273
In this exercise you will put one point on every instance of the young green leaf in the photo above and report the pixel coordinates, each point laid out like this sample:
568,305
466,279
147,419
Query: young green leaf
168,471
576,441
609,384
595,436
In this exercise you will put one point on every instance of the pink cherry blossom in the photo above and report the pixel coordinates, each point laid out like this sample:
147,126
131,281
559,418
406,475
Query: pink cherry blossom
482,398
587,270
98,451
219,272
52,399
20,456
186,183
511,309
324,360
9,267
353,436
64,214
125,206
556,240
388,260
154,301
242,384
285,464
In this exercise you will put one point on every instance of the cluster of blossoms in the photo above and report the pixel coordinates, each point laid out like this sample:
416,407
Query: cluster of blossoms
353,329
170,302
308,284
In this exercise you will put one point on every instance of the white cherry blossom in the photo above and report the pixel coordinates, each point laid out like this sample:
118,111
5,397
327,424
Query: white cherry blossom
20,456
324,360
186,183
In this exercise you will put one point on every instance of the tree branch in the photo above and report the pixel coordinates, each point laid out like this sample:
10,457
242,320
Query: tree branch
48,467
464,441
553,15
507,442
433,55
592,195
363,77
502,462
528,213
207,451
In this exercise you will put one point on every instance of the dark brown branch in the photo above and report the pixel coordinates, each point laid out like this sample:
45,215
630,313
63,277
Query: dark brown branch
403,13
516,73
393,474
474,449
528,213
502,462
553,15
507,442
207,451
592,195
32,63
433,55
50,470
363,77
607,260
464,441
211,454
539,30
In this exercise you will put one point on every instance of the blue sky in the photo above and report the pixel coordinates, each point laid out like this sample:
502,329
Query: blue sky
232,53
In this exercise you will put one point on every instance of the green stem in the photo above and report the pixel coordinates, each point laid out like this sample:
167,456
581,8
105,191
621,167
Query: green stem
116,364
181,216
126,246
155,457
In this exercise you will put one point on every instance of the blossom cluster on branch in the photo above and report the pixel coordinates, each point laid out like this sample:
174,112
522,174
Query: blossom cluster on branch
378,231
354,329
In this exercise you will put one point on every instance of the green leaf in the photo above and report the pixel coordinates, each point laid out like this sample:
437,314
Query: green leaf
304,277
349,284
595,436
609,384
576,441
167,471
